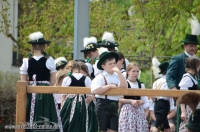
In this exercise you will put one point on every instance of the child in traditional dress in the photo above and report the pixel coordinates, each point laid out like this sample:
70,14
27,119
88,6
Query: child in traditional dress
40,69
60,62
90,53
74,112
135,109
189,82
60,75
170,116
90,100
107,106
162,104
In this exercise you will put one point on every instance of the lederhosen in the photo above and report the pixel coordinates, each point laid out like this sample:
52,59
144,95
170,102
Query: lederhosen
161,110
107,113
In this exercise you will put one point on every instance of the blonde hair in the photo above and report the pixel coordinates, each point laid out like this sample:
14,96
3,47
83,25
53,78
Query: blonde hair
130,66
60,75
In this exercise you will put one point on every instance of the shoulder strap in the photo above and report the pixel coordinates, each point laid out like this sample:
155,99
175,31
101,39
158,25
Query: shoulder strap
139,83
129,86
105,79
160,85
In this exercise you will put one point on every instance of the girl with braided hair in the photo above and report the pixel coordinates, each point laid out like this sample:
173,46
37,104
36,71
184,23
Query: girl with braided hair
189,82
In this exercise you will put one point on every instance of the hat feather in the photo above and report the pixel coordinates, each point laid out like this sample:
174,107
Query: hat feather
156,71
155,62
101,50
35,36
195,26
89,40
191,98
60,59
108,36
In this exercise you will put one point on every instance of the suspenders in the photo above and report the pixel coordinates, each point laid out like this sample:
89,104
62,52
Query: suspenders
105,84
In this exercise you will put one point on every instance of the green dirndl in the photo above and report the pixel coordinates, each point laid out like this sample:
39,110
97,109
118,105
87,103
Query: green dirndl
42,111
92,118
74,114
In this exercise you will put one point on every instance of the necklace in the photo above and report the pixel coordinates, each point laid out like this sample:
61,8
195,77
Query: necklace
131,80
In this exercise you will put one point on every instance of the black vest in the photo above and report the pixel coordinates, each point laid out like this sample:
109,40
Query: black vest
133,97
39,68
75,82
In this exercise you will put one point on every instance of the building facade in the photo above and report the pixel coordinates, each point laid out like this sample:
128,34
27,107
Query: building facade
7,56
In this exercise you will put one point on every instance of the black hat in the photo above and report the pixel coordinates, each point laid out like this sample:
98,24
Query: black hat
163,67
108,40
195,27
37,38
89,44
190,39
104,56
61,64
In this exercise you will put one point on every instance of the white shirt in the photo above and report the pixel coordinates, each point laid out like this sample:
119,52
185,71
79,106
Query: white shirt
90,68
49,64
144,98
161,85
123,71
171,102
186,82
96,70
99,81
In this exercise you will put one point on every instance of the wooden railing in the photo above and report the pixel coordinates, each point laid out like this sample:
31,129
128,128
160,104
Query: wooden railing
23,89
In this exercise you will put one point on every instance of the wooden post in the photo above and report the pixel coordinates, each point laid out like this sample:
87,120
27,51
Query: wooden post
21,104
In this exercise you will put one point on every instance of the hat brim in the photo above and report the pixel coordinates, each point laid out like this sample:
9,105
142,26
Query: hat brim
88,49
110,54
61,66
39,42
190,42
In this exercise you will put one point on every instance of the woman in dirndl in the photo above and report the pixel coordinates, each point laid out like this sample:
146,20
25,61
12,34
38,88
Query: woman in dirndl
39,69
135,109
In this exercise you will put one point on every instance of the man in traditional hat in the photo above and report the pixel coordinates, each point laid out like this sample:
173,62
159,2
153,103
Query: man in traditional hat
176,67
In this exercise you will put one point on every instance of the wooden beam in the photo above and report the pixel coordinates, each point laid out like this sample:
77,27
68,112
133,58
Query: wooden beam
116,91
21,104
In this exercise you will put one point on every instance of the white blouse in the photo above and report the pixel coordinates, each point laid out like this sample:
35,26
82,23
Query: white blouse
49,64
144,98
171,101
186,82
90,68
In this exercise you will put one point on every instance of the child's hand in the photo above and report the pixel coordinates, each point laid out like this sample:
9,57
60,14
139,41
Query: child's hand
88,99
183,116
115,69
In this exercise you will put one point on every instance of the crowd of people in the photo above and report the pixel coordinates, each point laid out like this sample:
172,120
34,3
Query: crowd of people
106,68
